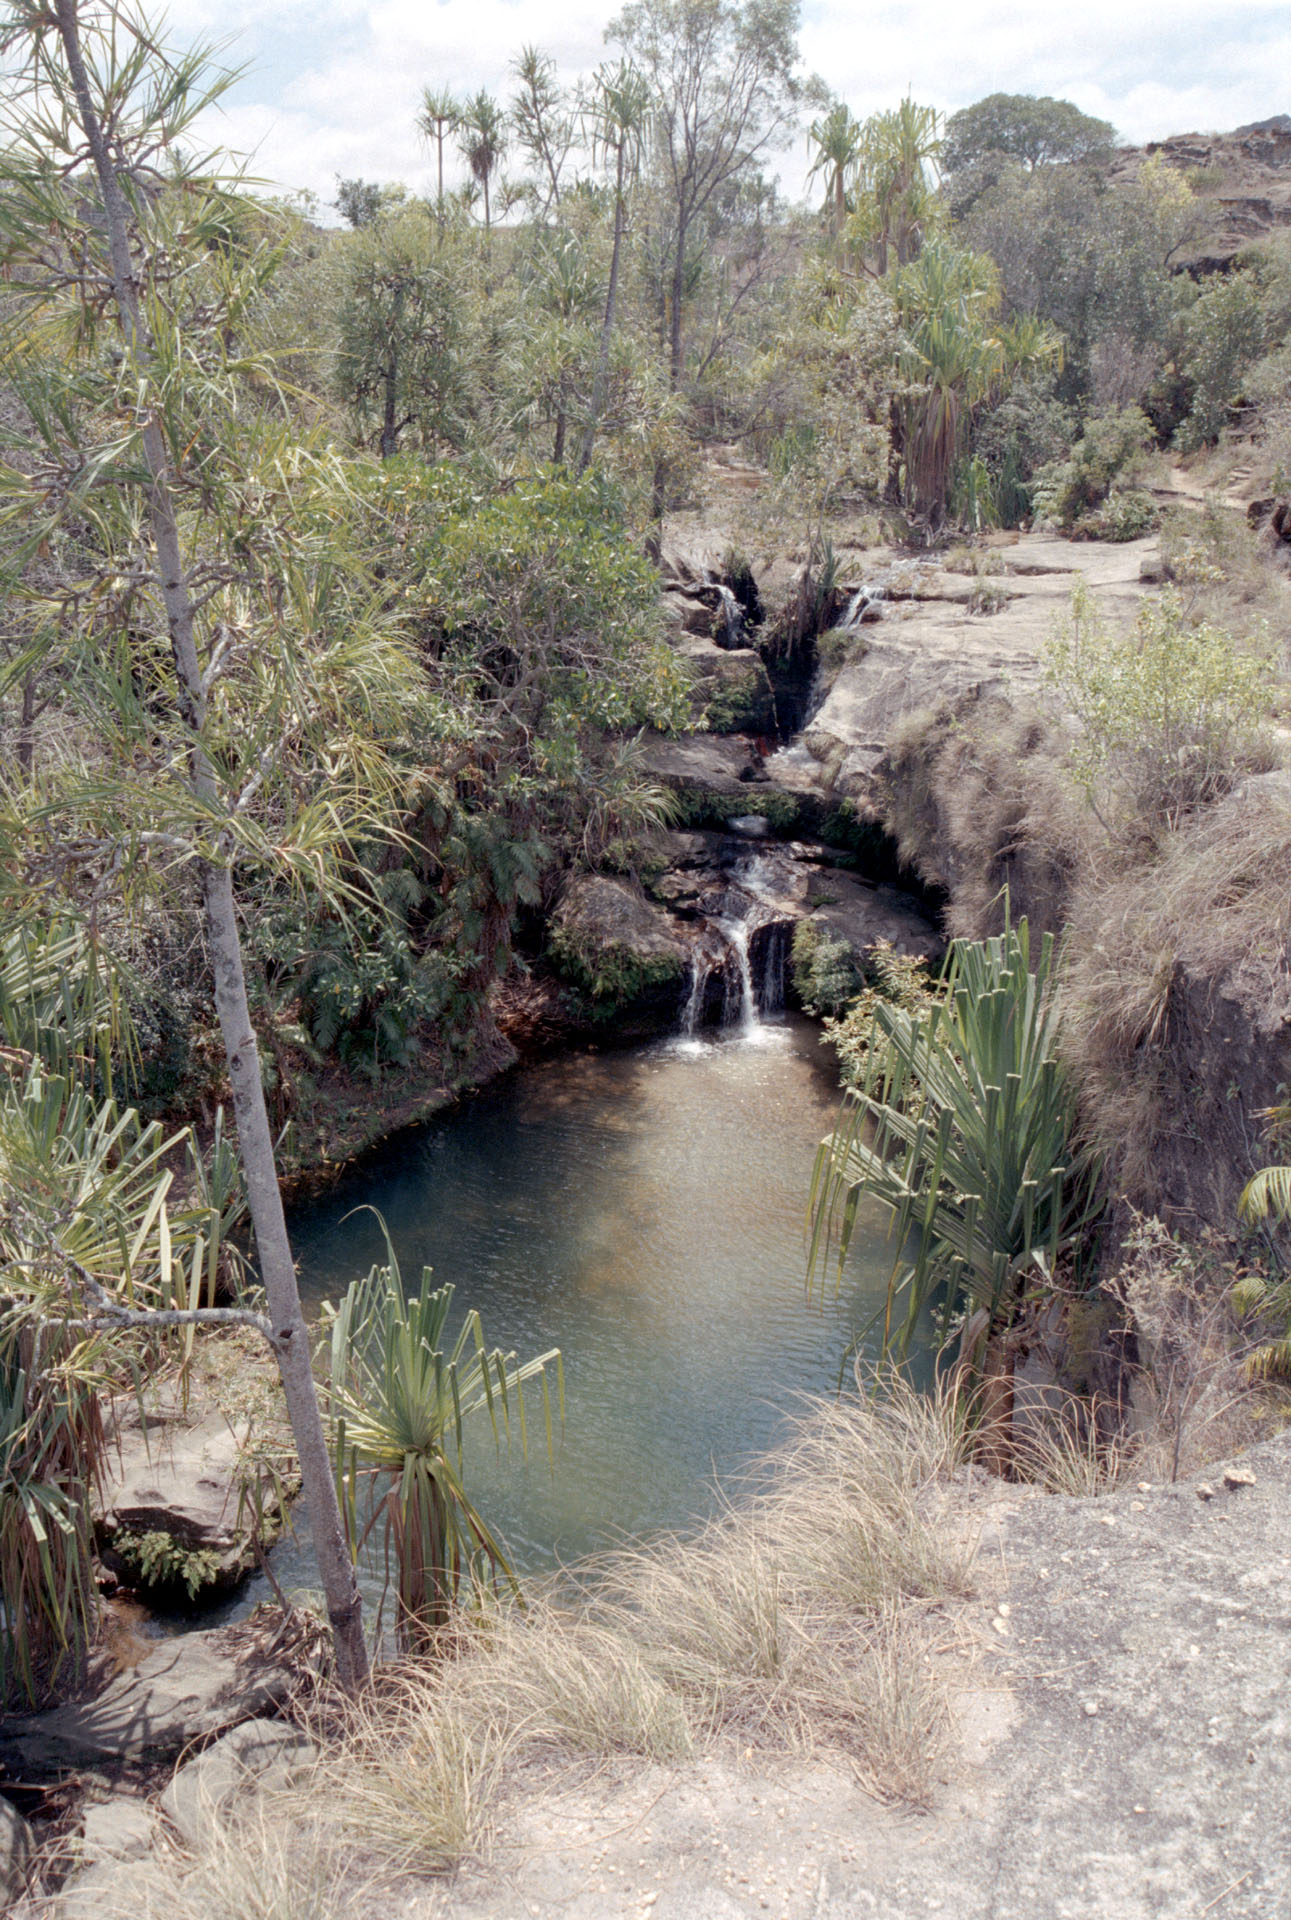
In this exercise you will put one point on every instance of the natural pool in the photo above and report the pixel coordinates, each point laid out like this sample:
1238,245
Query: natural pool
643,1211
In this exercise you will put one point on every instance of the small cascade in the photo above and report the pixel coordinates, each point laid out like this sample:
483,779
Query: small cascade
741,1008
770,965
692,1011
733,633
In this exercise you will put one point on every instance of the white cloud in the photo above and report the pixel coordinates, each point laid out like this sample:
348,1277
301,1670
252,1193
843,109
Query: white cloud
334,89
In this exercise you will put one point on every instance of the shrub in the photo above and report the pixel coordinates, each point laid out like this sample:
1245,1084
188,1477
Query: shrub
823,969
1169,713
962,1124
1067,492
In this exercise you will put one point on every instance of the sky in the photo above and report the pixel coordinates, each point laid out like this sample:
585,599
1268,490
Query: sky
332,89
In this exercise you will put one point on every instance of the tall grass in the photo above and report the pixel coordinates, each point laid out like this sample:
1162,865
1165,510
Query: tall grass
800,1621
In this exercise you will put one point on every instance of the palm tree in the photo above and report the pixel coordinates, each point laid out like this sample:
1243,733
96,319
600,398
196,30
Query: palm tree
838,141
895,183
616,119
481,136
962,1127
440,115
953,358
400,1399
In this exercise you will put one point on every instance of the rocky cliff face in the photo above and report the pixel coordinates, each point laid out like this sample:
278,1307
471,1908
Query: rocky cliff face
1243,185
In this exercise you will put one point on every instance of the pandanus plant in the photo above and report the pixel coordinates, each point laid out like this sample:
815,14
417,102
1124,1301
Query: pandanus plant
963,1127
400,1399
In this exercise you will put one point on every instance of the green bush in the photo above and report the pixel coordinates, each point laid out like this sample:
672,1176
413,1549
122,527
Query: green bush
962,1125
1107,454
822,969
1168,713
1126,515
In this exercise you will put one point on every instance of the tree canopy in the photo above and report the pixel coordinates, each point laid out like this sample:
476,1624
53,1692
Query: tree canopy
1035,129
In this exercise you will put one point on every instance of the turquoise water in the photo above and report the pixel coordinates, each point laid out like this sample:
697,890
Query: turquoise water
643,1211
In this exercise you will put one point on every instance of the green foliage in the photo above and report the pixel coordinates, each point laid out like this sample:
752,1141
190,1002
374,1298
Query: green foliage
1070,493
401,1398
954,358
823,970
899,978
159,1560
1092,258
402,358
1259,1297
1038,131
893,184
962,1125
50,1447
696,807
1224,333
1168,713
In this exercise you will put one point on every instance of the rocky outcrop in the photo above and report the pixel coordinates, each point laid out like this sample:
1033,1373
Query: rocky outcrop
195,1685
177,1508
1242,183
17,1844
260,1756
1179,990
932,651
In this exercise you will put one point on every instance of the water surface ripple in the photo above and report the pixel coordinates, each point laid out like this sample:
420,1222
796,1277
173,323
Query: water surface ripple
644,1212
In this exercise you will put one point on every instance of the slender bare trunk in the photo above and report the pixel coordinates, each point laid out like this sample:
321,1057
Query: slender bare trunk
678,288
255,1143
600,385
27,726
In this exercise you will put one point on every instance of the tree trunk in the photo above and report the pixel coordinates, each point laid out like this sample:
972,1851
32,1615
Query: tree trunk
678,288
994,1442
278,1274
600,385
255,1144
27,725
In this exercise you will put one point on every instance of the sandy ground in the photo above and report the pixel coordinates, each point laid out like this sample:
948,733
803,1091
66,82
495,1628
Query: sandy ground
1124,1752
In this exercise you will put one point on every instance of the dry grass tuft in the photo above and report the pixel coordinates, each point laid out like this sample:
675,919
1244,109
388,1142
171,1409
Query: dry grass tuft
978,799
1177,1001
797,1622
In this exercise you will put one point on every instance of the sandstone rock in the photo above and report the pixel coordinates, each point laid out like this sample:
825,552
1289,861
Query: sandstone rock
268,1755
118,1829
922,657
704,762
1235,1477
17,1844
850,909
196,1684
174,1466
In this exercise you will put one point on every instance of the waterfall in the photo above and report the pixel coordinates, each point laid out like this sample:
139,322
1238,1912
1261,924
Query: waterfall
692,1011
741,1008
732,618
737,961
771,971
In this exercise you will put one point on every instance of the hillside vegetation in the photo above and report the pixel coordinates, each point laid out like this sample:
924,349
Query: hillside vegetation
344,622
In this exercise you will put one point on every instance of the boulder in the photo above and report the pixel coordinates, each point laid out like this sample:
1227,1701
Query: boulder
701,762
122,1828
260,1755
614,944
195,1685
852,910
175,1479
